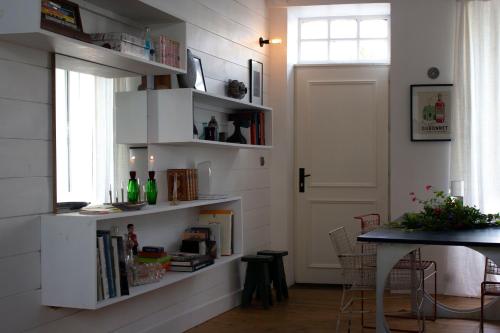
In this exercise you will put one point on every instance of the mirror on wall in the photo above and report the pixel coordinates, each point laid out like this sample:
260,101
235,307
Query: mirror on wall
89,159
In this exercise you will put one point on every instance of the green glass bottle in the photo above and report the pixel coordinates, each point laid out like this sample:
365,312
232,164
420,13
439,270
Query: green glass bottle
151,189
133,188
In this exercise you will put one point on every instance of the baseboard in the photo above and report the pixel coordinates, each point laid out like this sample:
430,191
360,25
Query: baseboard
199,314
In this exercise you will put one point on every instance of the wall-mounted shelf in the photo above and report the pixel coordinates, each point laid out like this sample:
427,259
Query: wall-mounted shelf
69,273
20,24
173,112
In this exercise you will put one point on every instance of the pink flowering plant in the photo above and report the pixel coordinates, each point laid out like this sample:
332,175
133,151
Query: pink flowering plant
444,212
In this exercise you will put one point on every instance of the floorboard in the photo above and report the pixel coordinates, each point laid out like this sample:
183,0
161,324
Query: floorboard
314,309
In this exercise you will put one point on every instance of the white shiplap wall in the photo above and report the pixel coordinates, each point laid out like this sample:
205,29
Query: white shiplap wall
224,34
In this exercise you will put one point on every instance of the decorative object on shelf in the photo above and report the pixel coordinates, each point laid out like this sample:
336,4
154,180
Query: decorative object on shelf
151,189
146,273
63,17
129,206
236,89
149,52
66,207
132,243
212,130
162,82
200,77
133,188
122,42
195,132
431,112
237,136
204,178
222,136
433,73
444,212
188,80
256,82
263,41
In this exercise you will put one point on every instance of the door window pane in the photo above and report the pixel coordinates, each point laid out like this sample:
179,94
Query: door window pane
373,29
344,50
317,29
343,29
314,51
373,50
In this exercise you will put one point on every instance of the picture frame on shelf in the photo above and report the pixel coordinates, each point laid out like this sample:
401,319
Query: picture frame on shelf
431,111
200,77
256,82
63,17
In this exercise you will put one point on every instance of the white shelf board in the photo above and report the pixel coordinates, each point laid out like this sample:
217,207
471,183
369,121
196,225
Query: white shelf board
136,10
149,209
52,42
168,279
218,144
226,102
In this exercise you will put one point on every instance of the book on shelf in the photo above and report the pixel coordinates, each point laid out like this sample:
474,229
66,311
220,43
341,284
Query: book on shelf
104,269
122,266
153,249
191,262
225,219
192,268
187,184
112,270
116,266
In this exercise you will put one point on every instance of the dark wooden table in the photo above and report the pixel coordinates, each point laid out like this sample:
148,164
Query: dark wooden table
393,244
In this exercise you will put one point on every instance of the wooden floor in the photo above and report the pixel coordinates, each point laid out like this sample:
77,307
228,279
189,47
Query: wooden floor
314,309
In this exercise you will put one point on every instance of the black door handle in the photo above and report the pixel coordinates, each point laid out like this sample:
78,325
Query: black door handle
302,178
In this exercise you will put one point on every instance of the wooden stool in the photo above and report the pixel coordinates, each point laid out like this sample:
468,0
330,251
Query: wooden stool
257,280
278,277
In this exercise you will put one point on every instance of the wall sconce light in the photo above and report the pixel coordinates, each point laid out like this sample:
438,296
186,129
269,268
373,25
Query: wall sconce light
263,41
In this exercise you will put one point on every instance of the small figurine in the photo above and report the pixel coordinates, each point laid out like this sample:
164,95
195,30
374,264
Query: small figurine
132,239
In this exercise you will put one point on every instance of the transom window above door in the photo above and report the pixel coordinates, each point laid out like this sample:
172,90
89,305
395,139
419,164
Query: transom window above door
344,40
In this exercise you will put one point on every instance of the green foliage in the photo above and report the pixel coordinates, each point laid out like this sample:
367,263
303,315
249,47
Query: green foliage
443,212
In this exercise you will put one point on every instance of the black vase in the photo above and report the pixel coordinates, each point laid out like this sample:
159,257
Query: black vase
237,137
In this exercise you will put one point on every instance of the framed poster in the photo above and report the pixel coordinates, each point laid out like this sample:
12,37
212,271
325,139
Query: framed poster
200,77
431,112
256,82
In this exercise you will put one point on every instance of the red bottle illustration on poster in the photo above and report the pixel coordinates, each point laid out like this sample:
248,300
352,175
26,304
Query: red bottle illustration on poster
440,108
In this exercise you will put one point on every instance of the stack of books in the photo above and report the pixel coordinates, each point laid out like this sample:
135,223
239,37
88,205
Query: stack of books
154,254
112,280
220,221
187,184
189,262
167,51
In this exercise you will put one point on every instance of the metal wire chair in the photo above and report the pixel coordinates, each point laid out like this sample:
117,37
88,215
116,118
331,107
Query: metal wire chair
359,275
488,287
402,272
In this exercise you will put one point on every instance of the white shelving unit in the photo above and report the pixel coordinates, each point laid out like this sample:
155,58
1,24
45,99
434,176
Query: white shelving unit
172,113
69,274
20,24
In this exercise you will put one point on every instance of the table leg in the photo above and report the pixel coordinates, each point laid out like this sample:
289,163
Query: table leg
387,256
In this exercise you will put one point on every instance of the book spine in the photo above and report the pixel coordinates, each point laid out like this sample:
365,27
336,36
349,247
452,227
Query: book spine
257,128
116,266
109,266
102,257
100,293
262,133
195,184
122,266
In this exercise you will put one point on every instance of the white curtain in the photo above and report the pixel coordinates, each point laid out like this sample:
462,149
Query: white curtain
475,148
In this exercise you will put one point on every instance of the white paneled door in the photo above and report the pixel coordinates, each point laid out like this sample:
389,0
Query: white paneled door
342,142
